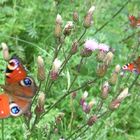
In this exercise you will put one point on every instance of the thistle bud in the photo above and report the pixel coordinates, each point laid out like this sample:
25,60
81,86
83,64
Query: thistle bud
114,104
74,48
88,17
105,90
59,19
68,27
5,51
114,76
87,107
84,96
40,104
73,95
108,58
101,70
41,69
92,120
55,69
59,118
75,16
58,28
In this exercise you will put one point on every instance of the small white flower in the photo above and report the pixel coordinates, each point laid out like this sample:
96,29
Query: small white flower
59,19
123,94
56,65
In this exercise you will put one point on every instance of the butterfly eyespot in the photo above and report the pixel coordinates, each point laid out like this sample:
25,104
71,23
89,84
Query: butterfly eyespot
13,64
27,82
15,110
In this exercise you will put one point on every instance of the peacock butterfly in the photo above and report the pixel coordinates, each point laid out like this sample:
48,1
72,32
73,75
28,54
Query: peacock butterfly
19,89
133,67
134,22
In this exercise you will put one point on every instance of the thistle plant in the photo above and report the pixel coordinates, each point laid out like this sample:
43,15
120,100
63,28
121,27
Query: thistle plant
80,86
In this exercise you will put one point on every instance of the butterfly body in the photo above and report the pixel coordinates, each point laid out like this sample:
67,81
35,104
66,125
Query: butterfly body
19,90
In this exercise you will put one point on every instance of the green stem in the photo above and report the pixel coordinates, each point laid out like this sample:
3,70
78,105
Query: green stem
133,83
2,129
80,128
107,22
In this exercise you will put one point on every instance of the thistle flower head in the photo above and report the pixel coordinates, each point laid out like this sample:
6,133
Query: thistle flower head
103,47
91,44
5,51
84,96
74,48
101,70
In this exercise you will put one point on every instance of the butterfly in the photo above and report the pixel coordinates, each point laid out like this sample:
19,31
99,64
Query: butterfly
134,21
133,67
19,89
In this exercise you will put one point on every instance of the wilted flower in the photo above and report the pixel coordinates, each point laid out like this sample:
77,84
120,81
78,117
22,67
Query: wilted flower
68,27
5,51
108,58
91,10
41,68
101,70
92,120
88,17
55,69
116,103
114,76
101,55
75,16
103,47
123,94
105,90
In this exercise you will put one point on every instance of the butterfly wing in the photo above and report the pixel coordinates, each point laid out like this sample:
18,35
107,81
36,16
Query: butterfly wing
4,106
133,20
20,89
15,71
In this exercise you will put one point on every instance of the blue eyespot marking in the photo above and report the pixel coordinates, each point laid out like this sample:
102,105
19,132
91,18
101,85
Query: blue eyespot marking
27,81
15,109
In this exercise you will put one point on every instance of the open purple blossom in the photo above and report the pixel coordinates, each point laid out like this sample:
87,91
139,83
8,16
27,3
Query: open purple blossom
103,47
91,44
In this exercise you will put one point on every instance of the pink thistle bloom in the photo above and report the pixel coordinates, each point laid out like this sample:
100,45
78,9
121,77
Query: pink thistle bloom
103,47
91,44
